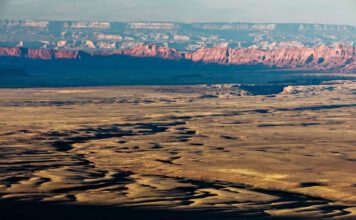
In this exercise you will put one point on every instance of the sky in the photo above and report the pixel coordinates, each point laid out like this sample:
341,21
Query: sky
260,11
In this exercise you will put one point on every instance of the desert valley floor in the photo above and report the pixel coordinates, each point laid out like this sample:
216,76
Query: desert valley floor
194,151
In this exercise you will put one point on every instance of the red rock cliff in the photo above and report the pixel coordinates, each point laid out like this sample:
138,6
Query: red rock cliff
11,52
154,51
40,54
339,58
322,57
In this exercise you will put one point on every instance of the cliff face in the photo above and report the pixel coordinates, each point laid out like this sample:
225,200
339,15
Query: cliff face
339,58
153,51
320,58
218,55
11,52
67,54
40,54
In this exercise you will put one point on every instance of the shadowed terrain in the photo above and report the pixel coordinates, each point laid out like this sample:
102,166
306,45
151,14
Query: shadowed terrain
201,152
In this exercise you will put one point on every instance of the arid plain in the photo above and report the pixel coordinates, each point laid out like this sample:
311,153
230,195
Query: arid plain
211,149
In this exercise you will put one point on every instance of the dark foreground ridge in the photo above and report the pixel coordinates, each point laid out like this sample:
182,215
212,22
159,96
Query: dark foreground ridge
36,208
14,210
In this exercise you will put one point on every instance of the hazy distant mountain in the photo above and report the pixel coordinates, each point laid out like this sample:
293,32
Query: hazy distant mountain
57,53
181,36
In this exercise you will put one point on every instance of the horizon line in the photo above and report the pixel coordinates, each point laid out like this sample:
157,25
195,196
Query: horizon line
177,22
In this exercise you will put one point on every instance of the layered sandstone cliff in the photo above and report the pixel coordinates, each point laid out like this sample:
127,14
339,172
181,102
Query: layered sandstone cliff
40,54
321,58
154,51
339,58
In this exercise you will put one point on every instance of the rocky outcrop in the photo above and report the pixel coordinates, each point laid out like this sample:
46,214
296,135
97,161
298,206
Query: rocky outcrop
218,55
44,54
11,52
67,54
154,51
319,58
40,54
339,58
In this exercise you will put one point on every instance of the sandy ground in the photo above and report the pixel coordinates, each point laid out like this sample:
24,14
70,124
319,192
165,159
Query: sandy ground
214,149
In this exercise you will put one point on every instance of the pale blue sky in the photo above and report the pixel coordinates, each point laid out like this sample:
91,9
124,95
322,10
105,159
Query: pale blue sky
281,11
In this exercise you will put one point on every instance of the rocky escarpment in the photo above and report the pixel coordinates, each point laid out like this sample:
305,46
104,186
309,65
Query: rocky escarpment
337,58
319,58
154,51
41,54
